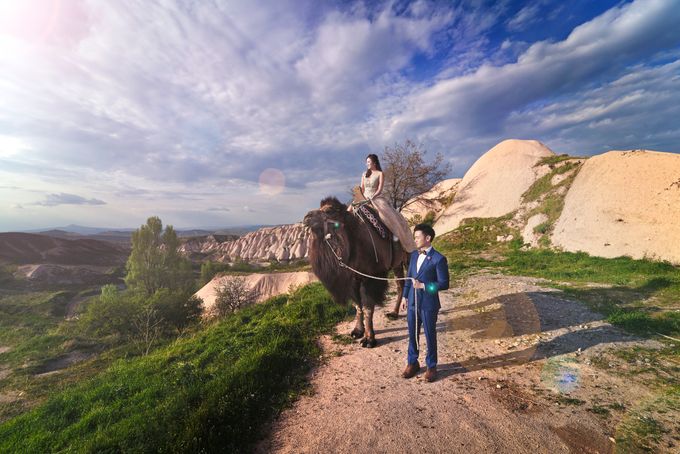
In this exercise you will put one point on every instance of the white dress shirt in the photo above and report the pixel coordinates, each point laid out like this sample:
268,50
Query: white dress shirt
421,258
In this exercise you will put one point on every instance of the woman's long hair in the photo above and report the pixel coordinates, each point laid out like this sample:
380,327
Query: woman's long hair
376,161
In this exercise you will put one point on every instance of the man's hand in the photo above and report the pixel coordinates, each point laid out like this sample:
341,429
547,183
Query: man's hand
404,304
418,284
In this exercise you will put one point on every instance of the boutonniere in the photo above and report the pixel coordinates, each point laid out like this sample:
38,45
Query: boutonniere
429,258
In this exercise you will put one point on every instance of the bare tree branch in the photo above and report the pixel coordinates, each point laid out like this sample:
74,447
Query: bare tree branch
407,175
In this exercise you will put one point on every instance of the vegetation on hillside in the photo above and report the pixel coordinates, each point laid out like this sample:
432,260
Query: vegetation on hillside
549,197
210,391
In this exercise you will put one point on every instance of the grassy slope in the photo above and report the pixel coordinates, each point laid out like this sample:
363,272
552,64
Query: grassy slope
211,391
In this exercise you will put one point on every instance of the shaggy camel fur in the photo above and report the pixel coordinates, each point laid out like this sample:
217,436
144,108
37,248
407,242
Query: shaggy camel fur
353,240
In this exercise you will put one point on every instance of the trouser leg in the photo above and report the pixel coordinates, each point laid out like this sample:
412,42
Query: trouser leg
412,348
430,327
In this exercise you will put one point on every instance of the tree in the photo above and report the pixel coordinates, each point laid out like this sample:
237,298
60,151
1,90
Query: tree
178,309
407,175
111,313
154,262
147,325
209,270
232,295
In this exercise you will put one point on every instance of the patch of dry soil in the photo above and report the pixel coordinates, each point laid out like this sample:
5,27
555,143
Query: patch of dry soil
510,352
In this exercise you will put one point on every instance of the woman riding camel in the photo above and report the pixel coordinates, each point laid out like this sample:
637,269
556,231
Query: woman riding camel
372,187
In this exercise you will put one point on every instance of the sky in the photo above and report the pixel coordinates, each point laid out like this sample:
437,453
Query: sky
223,113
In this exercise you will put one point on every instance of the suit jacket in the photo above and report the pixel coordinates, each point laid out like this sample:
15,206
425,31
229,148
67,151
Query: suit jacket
434,273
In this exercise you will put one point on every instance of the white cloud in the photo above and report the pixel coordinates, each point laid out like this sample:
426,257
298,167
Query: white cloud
68,199
524,17
176,108
479,104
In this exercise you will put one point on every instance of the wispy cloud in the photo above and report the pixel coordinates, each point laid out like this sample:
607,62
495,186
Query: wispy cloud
524,17
67,199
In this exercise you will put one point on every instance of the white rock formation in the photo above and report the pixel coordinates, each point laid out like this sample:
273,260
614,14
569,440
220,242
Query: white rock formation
284,242
265,284
624,203
431,200
495,183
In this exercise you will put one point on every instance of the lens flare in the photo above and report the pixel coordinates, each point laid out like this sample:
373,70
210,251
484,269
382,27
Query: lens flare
33,21
272,182
561,374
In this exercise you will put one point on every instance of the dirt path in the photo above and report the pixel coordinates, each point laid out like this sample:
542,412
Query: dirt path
511,355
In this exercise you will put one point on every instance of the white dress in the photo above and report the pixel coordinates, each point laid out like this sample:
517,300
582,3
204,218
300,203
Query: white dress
393,219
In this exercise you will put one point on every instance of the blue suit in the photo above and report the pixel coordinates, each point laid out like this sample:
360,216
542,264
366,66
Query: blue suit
434,273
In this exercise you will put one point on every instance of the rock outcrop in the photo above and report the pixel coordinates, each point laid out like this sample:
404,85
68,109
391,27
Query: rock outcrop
265,284
436,200
282,243
624,203
495,183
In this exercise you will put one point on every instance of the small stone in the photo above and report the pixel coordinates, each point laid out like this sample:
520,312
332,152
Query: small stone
612,440
499,386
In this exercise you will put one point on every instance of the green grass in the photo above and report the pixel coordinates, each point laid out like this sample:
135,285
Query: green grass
643,428
24,316
552,160
477,234
550,198
273,267
641,296
212,391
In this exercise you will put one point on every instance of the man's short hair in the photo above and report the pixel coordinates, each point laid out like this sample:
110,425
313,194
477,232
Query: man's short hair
426,229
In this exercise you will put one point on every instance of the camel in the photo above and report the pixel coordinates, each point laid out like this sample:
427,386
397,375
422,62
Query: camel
352,240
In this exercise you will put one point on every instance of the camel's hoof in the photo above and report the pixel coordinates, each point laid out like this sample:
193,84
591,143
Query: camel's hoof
356,334
392,315
368,343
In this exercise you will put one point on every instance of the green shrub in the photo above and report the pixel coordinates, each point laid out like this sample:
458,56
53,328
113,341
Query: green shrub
111,313
209,270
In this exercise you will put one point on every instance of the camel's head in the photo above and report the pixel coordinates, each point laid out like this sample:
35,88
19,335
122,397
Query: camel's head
327,219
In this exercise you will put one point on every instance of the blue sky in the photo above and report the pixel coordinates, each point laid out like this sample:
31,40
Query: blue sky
218,113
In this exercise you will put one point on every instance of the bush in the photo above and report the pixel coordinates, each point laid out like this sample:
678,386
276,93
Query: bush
111,314
209,270
134,317
232,295
178,309
429,218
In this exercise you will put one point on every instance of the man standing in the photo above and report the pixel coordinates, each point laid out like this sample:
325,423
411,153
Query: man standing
431,271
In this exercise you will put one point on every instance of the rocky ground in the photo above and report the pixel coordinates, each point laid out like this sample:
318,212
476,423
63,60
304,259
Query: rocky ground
517,373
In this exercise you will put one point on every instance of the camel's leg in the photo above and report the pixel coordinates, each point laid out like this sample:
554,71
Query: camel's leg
358,331
394,313
368,305
369,336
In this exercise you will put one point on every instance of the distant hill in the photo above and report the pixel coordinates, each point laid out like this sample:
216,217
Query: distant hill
30,248
124,235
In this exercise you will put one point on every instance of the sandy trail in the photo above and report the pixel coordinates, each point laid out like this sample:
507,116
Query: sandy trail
508,348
